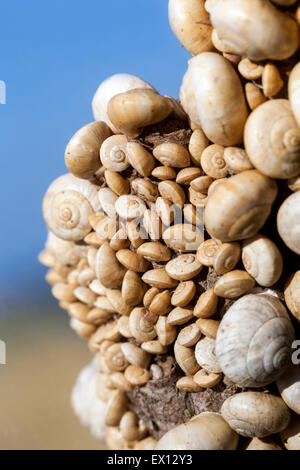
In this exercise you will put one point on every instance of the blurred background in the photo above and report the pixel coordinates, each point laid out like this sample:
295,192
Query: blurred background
53,56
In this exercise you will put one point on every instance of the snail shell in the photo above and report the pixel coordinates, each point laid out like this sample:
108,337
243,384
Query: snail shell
82,152
239,206
253,344
292,294
294,91
256,414
291,435
118,83
289,388
288,222
262,260
189,22
65,252
254,29
272,139
208,431
212,95
67,205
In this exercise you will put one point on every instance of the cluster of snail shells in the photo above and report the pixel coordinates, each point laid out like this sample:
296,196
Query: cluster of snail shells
119,286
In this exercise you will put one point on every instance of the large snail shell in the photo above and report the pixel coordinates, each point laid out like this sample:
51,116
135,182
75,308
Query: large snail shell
239,206
82,152
65,252
272,139
67,205
294,91
212,96
190,23
288,222
253,344
254,28
289,387
208,431
256,414
118,83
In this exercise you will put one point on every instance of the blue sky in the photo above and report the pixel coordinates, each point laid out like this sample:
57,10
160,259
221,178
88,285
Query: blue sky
53,56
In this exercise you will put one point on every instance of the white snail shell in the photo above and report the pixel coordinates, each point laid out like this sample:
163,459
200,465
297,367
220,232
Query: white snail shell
190,23
289,388
67,205
294,91
255,29
272,139
66,252
256,414
262,260
212,95
207,431
238,206
118,83
253,344
288,222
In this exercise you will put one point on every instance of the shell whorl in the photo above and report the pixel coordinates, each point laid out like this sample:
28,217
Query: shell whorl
253,343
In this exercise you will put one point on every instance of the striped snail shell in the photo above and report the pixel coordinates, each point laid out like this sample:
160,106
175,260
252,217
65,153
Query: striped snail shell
67,205
253,344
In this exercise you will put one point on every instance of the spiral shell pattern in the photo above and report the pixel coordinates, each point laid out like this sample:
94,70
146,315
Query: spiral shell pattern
253,344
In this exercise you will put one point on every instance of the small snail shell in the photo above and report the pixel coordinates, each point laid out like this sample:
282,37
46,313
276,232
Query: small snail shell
206,356
288,222
65,252
67,205
183,267
294,91
198,142
294,183
131,111
132,288
256,414
202,91
289,388
253,95
171,154
272,139
113,153
108,270
262,260
272,82
237,159
185,358
254,29
207,431
226,257
292,294
250,70
190,23
183,237
82,152
213,162
291,435
118,83
265,443
239,206
183,294
142,324
253,343
140,159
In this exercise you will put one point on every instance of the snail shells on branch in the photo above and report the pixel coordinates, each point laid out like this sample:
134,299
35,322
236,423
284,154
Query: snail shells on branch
67,205
256,414
288,222
272,139
190,23
254,29
254,339
118,83
239,206
208,431
216,105
82,152
130,112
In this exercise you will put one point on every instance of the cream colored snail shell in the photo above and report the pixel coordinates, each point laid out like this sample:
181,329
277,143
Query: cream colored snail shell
253,344
130,112
255,29
262,260
272,139
289,388
256,414
118,83
239,206
82,152
67,205
212,95
208,431
294,91
288,222
65,251
190,23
